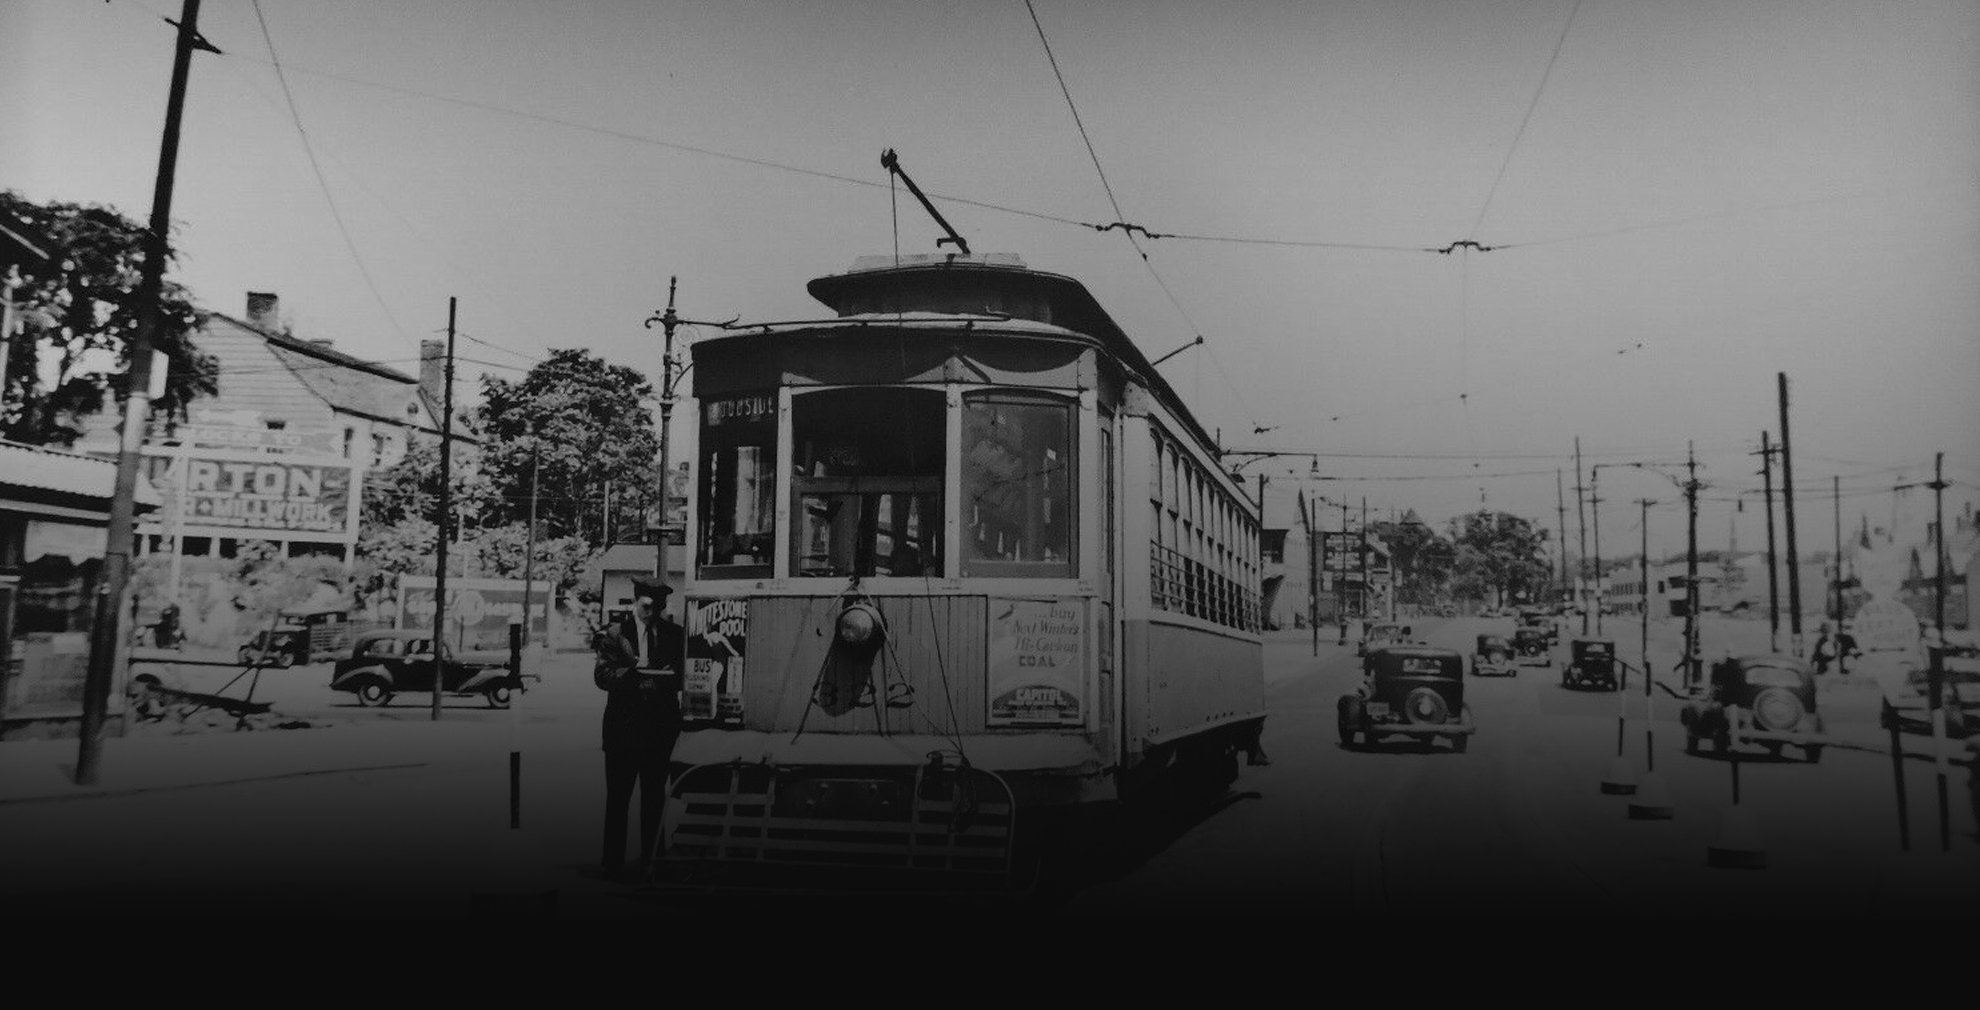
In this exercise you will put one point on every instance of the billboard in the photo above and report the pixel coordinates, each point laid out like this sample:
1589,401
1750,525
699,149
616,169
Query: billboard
1037,658
717,644
478,610
281,496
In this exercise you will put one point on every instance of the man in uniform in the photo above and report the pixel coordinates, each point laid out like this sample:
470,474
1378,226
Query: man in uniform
638,666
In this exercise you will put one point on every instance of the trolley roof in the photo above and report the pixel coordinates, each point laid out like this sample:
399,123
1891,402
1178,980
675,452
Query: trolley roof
944,286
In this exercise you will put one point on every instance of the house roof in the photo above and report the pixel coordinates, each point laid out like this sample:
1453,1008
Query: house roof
40,472
356,386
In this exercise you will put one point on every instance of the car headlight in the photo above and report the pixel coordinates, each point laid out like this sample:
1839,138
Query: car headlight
859,624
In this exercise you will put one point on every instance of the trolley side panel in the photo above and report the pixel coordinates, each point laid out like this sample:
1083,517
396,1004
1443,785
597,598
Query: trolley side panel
1196,679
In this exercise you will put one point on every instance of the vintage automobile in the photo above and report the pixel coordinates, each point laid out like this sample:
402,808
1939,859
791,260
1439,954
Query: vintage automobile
1534,617
1592,663
1531,647
1766,699
1375,636
1493,657
384,663
1408,690
298,637
1908,702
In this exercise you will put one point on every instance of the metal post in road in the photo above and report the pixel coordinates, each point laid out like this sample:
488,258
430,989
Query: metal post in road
1595,509
106,634
516,632
1340,581
1691,599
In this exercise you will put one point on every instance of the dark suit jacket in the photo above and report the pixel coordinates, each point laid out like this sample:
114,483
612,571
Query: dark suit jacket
642,710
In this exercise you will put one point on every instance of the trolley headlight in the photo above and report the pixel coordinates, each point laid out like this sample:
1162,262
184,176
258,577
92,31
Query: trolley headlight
860,624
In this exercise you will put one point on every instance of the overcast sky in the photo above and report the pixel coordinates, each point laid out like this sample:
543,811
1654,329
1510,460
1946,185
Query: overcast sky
1688,197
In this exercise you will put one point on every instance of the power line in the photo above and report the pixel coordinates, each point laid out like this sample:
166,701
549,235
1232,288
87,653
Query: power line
1514,146
310,150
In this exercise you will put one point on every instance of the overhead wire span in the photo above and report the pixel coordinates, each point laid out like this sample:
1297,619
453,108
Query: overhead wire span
310,150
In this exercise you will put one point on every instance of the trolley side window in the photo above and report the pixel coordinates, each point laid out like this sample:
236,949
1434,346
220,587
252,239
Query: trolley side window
738,487
868,482
1019,482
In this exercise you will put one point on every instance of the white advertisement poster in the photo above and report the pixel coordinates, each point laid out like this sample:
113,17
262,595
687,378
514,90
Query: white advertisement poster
1037,662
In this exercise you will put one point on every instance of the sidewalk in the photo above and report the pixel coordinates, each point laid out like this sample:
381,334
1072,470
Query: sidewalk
44,770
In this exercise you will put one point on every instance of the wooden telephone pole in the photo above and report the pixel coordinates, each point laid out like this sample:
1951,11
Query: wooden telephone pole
1787,504
1773,594
1581,562
106,628
446,514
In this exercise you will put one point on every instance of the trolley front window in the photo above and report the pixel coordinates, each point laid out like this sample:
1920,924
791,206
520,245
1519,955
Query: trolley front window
1019,481
868,482
738,487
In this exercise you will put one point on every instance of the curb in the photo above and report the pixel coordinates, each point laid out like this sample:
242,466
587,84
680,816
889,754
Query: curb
94,793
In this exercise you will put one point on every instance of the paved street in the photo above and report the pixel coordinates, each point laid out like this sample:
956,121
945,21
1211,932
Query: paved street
384,810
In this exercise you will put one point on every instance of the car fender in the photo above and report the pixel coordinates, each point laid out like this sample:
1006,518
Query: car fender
481,680
348,680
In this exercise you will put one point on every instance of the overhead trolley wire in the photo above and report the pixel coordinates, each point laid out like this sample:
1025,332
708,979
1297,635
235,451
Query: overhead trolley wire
310,150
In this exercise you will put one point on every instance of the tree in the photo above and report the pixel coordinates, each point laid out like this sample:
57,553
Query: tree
410,488
1500,552
590,424
1422,560
79,313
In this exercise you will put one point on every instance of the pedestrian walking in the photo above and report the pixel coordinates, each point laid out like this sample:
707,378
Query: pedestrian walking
1825,650
638,666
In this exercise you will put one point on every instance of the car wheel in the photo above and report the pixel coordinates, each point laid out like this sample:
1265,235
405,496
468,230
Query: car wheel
1722,741
373,693
285,660
1458,744
499,696
1346,726
1774,748
246,656
1814,754
1691,744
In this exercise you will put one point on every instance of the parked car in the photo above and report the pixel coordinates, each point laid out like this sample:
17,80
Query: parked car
1767,699
1374,636
1534,617
1531,647
1408,690
298,637
1493,657
1592,663
382,664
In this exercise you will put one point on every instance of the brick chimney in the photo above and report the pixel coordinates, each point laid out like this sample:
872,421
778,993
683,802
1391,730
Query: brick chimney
433,369
261,306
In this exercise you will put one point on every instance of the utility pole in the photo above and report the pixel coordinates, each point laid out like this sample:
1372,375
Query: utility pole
1309,514
1842,659
1938,643
1787,505
1581,562
7,288
529,554
1595,507
446,516
1773,594
1340,583
1691,671
1649,700
106,630
1361,563
1560,514
668,320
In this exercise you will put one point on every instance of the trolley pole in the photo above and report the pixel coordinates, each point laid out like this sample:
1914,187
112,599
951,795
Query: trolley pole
1787,507
106,630
1581,562
1773,594
446,514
